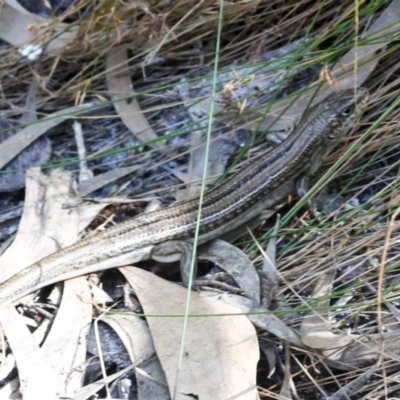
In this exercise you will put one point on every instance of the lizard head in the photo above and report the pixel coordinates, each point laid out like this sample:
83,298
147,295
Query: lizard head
326,123
341,110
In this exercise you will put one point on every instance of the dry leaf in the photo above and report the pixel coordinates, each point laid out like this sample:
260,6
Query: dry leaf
104,179
135,335
33,368
18,142
343,351
38,235
119,85
220,354
90,390
230,258
31,32
50,203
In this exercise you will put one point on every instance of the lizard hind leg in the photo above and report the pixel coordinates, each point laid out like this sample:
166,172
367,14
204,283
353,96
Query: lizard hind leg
175,250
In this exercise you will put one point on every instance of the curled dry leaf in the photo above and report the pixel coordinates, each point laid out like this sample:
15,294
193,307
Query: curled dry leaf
135,335
232,259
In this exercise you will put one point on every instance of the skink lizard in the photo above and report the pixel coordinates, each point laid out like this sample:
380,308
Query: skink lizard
260,184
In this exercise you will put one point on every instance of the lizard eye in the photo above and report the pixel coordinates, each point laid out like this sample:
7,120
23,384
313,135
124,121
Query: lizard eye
347,111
